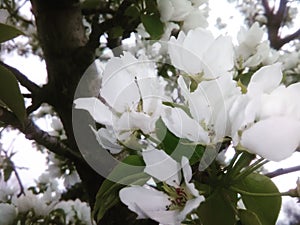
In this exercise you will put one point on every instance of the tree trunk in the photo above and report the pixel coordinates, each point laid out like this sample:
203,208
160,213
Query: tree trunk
63,39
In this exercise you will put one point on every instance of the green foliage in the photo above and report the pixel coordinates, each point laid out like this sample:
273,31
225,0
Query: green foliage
248,218
178,147
153,25
218,209
266,208
10,94
90,4
108,194
8,168
8,32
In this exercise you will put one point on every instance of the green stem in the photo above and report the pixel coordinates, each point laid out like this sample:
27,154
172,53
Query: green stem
242,192
243,161
236,155
259,163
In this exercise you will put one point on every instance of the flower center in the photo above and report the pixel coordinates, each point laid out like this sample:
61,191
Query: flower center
178,196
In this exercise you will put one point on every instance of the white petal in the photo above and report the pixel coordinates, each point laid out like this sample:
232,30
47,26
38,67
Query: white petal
166,10
131,121
180,124
275,138
96,108
195,19
186,168
190,206
162,167
8,214
219,62
143,200
107,139
118,85
265,80
149,203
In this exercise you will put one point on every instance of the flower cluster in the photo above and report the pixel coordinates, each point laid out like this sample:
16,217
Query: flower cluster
179,15
41,203
260,116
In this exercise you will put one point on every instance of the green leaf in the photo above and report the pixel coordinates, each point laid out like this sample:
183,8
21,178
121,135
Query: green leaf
266,208
177,147
10,94
248,218
132,11
8,169
116,32
108,194
90,4
245,78
151,6
217,209
153,25
8,32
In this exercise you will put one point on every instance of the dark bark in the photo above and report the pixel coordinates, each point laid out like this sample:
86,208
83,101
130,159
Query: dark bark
275,23
68,52
62,38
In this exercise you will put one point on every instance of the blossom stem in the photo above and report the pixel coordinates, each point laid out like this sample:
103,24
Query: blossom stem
259,163
242,192
243,161
236,155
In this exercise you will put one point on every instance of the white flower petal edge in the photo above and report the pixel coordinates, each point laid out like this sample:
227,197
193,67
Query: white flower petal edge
100,112
183,126
161,166
275,138
213,57
107,139
265,80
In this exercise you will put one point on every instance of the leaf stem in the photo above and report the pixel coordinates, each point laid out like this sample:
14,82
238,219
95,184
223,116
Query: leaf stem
242,192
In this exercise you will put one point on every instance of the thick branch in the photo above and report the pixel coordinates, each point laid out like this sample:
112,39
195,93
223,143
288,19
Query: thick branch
275,22
291,37
282,10
22,78
32,132
282,171
266,6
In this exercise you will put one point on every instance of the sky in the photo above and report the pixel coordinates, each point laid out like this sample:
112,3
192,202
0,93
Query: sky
28,157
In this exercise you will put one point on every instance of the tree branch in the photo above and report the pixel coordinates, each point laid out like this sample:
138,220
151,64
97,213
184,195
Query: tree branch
281,10
266,6
282,171
291,37
32,132
119,19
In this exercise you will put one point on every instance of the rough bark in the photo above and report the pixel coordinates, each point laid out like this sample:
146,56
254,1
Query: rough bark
62,38
68,53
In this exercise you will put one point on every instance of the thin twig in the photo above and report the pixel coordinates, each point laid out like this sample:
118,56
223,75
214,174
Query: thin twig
282,171
13,167
32,132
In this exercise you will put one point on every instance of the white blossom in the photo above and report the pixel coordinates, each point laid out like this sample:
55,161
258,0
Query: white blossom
200,55
8,214
132,95
175,202
252,50
33,202
75,210
266,120
208,106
